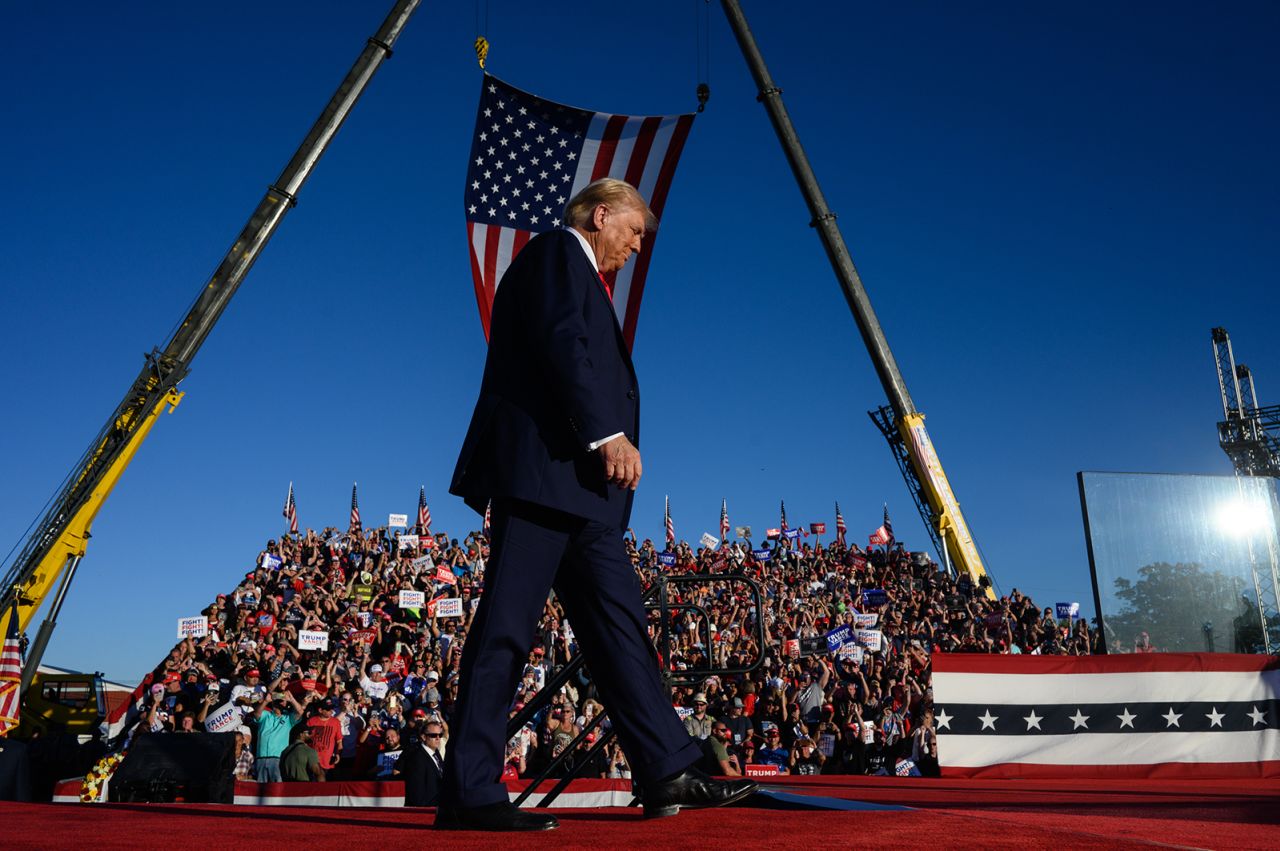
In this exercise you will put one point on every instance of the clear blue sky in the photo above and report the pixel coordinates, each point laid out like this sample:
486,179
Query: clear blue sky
1050,204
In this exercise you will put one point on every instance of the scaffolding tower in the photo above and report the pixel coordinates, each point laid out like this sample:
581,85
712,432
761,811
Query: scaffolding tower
1250,435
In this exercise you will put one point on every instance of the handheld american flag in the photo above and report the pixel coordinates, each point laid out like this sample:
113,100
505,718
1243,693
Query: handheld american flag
355,527
783,509
530,156
887,526
424,513
840,527
724,520
291,511
10,676
671,527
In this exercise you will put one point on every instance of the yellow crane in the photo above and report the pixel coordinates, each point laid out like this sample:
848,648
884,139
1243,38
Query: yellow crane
54,549
899,421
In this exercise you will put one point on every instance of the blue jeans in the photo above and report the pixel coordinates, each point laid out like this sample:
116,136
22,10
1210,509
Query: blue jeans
267,769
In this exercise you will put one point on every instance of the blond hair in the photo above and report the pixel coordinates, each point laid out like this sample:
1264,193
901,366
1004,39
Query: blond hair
614,193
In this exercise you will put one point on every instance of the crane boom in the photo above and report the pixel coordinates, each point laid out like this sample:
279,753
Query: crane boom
59,539
904,429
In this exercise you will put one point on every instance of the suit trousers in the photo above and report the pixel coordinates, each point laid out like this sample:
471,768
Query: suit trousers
533,549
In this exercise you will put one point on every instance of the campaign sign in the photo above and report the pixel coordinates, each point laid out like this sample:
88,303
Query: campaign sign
668,559
762,555
449,607
817,528
754,770
743,531
838,637
827,744
875,597
793,534
906,768
197,627
1068,610
420,562
445,575
869,638
851,653
397,521
684,711
313,639
226,717
428,543
865,621
813,646
791,647
709,540
868,733
271,562
412,599
771,533
407,541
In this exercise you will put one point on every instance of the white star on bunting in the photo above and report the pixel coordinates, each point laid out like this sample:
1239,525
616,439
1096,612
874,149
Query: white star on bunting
1215,717
988,721
1033,720
943,719
1171,718
1126,720
1257,716
1080,720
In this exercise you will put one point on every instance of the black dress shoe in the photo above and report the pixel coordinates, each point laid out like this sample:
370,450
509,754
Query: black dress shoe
500,816
692,789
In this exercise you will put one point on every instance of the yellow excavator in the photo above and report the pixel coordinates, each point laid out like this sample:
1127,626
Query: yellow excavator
51,554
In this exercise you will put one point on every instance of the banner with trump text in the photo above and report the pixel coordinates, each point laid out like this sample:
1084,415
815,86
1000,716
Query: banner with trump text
1189,715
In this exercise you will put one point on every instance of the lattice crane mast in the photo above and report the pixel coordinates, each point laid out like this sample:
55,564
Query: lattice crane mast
1248,433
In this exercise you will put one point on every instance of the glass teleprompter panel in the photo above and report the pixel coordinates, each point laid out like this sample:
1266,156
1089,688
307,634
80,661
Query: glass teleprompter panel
1180,562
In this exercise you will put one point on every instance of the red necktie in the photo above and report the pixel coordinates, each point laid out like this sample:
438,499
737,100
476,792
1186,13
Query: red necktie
608,287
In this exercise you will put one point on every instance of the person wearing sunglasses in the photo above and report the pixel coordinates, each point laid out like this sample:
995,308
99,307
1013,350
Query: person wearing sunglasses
422,767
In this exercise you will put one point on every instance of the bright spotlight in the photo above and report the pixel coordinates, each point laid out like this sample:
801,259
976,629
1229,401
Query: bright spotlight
1242,518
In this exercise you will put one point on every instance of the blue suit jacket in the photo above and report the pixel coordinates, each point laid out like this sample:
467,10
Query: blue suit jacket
558,377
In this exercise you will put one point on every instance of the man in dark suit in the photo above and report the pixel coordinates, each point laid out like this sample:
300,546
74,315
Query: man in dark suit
422,768
553,444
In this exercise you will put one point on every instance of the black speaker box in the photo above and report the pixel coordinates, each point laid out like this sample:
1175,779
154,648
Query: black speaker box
166,767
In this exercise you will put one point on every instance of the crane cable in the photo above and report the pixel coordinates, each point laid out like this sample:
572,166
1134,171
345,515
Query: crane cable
702,50
482,27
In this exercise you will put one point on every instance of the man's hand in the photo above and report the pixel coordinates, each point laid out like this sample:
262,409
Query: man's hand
621,462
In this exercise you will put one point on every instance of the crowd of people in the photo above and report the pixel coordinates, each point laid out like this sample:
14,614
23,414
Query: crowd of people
322,673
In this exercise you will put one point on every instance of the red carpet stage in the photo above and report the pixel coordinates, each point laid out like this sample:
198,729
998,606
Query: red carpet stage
943,813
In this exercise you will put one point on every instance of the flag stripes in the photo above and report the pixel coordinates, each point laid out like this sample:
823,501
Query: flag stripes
552,151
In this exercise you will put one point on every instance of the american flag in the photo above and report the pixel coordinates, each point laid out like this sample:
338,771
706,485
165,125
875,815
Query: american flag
530,156
488,518
784,515
355,527
10,675
887,526
424,513
291,511
724,520
671,527
1179,715
840,527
